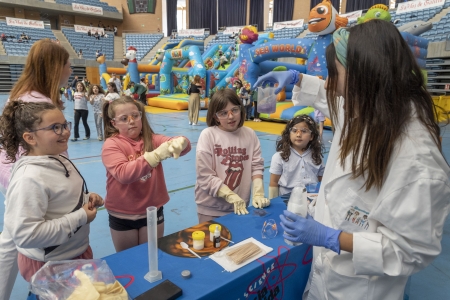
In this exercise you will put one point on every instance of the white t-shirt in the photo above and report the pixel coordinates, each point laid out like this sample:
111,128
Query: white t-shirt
80,100
298,170
112,96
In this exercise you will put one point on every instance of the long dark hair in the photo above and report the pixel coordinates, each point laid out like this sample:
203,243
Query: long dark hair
384,87
100,90
109,113
114,86
284,141
19,117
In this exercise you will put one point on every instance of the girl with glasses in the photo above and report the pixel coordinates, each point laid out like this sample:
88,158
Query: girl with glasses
228,161
132,155
48,206
385,162
298,160
46,70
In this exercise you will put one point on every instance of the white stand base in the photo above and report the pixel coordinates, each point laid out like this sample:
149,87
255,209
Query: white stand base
153,276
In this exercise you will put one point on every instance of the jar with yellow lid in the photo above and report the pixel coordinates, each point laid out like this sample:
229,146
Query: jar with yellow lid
199,240
212,228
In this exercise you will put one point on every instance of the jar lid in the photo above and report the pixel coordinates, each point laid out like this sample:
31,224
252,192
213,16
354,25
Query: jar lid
186,274
198,235
212,227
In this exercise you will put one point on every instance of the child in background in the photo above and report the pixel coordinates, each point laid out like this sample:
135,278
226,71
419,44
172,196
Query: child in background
319,118
81,111
298,160
48,206
132,155
228,160
254,96
112,93
244,95
96,95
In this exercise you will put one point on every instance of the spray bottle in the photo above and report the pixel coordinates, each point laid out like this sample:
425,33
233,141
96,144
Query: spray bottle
298,204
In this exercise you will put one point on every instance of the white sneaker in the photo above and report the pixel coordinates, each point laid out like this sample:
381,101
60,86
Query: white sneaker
190,123
195,124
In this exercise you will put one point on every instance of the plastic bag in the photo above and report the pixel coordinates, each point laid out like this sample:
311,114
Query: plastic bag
86,279
267,100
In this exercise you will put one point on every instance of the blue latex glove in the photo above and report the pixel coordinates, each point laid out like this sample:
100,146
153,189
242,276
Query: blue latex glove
309,231
283,78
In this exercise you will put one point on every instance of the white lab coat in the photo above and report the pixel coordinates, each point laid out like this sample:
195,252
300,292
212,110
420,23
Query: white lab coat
403,228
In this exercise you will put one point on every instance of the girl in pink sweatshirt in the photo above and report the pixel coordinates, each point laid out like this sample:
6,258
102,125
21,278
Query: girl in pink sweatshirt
228,161
135,179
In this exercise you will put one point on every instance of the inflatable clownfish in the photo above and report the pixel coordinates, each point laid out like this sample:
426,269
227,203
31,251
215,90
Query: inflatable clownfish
324,19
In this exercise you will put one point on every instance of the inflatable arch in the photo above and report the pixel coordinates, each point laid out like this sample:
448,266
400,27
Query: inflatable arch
193,54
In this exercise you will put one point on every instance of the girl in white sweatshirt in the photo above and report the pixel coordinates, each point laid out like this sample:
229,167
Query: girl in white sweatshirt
48,206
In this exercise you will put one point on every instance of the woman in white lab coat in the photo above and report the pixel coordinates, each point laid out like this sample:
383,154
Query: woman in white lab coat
385,192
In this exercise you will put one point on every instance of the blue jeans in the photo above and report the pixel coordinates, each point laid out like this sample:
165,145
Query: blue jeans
248,111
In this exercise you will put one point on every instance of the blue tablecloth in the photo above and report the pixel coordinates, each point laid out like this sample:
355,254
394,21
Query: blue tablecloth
281,274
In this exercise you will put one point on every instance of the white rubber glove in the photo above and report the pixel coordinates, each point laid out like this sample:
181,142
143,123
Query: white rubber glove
231,197
158,155
259,201
273,192
177,146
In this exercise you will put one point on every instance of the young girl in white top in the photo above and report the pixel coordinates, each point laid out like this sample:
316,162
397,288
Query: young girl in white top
48,206
228,161
81,111
298,160
112,93
96,95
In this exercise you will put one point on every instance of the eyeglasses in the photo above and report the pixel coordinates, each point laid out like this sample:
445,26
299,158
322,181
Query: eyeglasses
136,116
223,114
58,128
302,130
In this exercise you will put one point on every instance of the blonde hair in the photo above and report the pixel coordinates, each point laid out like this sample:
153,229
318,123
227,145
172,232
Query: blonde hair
42,72
109,113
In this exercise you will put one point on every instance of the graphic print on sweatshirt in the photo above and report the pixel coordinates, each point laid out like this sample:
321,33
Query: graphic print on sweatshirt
233,158
135,156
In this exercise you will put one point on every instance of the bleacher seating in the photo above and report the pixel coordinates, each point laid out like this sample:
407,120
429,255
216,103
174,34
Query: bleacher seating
16,47
89,44
287,33
223,39
181,37
143,43
103,5
420,15
441,29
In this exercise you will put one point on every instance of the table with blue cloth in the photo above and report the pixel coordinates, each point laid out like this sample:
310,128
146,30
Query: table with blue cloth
280,274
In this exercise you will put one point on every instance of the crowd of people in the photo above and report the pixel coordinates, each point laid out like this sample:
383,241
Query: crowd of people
385,159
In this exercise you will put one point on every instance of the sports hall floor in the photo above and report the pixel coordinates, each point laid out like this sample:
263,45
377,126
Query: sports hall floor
180,212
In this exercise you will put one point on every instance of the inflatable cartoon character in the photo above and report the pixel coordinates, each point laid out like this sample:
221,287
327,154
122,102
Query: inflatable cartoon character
104,76
249,34
378,11
132,64
324,19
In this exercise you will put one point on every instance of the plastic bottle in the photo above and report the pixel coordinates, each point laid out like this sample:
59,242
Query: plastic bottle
298,204
217,238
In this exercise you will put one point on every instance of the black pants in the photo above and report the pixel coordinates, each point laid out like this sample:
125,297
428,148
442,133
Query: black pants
255,104
83,114
143,98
